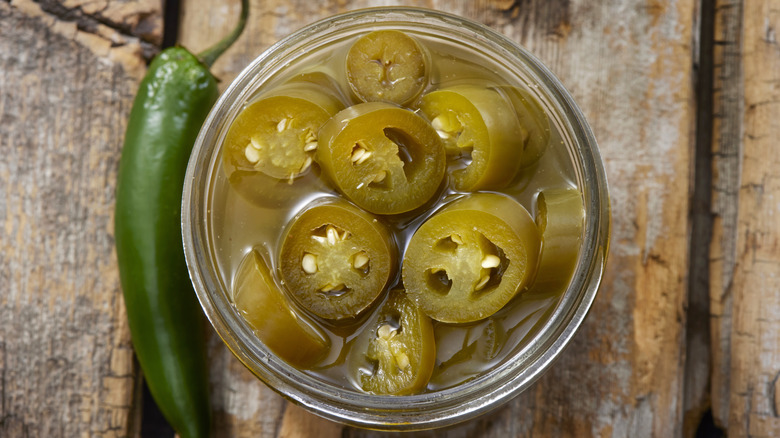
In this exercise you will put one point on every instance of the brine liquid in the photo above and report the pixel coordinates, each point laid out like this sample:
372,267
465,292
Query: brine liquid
463,351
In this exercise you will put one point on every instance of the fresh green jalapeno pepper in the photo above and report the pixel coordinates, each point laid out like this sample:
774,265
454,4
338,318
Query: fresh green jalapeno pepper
165,319
480,125
559,216
385,159
265,307
388,66
336,259
470,258
395,353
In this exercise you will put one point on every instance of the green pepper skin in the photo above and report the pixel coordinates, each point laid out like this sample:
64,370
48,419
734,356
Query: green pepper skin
165,318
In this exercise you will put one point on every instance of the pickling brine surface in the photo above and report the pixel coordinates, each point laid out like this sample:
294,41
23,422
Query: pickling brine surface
239,225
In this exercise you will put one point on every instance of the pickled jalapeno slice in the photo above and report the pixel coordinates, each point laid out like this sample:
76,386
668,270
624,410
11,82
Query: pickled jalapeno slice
559,216
479,125
470,258
284,331
336,259
388,66
263,190
534,120
277,134
385,159
395,354
465,350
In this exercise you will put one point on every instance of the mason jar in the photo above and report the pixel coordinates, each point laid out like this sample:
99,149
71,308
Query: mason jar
218,231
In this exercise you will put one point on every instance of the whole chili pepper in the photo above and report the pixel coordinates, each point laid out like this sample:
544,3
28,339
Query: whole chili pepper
166,322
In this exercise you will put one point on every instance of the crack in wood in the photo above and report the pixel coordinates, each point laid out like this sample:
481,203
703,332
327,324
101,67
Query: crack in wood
138,27
774,392
128,51
698,349
114,34
3,368
280,418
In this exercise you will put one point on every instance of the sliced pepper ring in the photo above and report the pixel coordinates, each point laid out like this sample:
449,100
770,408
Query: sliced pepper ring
283,330
559,216
277,134
478,124
469,259
387,65
395,354
336,259
385,159
533,119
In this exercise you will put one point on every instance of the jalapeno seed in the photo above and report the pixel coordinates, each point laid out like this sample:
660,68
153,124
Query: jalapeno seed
309,263
447,125
490,261
360,260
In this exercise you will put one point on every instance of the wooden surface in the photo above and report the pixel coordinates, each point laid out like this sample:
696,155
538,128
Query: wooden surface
688,222
66,361
728,107
754,390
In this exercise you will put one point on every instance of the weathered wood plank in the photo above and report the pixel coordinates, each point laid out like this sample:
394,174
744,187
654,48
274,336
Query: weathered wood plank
66,361
754,399
628,64
727,110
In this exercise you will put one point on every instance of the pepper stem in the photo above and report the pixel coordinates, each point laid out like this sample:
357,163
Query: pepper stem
210,55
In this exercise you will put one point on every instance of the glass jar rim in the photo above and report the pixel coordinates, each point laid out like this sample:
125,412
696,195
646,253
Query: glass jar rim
427,410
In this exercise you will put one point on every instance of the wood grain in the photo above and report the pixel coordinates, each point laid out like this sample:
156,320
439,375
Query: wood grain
66,360
754,406
745,298
728,107
628,64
